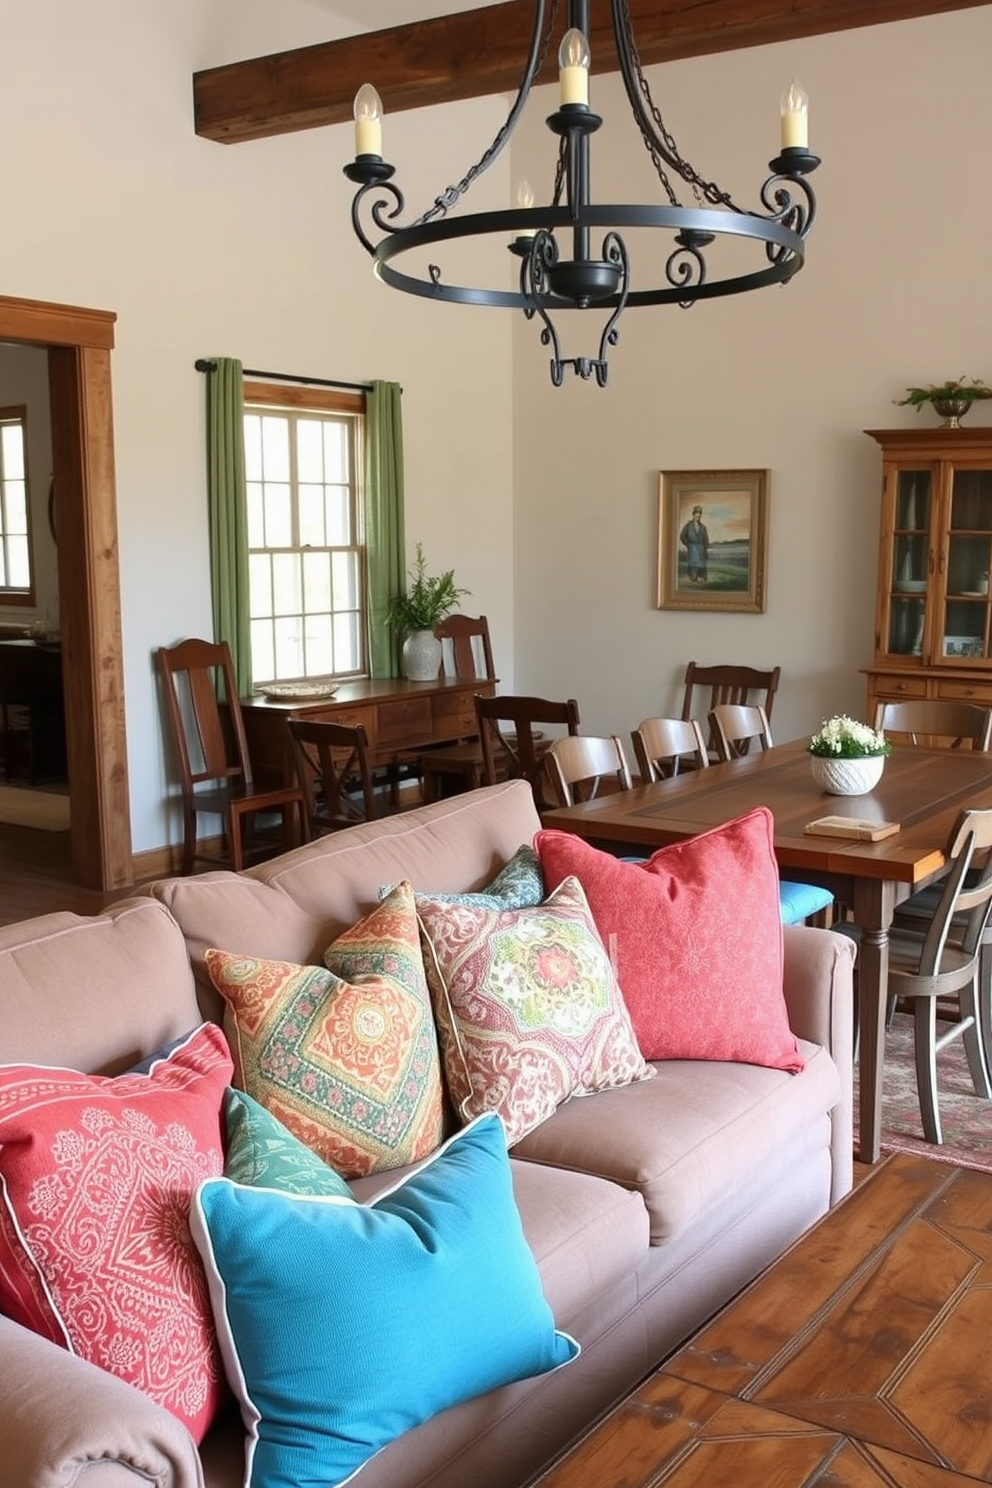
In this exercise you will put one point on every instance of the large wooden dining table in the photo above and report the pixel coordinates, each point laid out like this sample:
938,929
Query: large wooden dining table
921,789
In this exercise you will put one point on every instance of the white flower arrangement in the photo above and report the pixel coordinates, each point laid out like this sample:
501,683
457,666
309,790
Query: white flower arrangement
844,738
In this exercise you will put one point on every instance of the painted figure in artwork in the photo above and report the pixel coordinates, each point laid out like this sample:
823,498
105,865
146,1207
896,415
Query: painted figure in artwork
696,541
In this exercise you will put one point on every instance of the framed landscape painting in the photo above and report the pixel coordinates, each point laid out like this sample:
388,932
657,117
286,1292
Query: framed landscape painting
712,535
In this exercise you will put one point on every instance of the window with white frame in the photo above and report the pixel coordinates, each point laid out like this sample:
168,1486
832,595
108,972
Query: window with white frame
16,583
306,537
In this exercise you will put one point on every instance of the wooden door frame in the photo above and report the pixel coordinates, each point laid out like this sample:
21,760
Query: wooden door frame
79,343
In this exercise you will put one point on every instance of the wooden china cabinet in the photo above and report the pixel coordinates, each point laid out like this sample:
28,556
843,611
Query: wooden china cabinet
933,608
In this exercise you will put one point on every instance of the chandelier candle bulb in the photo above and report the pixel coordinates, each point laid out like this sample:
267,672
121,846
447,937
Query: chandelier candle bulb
368,121
573,64
795,117
525,200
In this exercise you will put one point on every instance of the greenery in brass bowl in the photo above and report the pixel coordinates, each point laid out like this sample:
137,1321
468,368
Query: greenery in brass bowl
427,599
841,737
958,390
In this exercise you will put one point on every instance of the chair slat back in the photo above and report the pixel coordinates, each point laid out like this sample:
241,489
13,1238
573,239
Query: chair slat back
662,746
937,722
465,640
736,726
506,734
580,764
209,746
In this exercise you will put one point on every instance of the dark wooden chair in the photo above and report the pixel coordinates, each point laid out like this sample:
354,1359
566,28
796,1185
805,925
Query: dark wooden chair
215,770
466,652
721,685
512,748
333,772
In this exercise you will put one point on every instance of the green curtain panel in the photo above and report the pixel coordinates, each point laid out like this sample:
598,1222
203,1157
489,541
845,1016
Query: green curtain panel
385,543
229,513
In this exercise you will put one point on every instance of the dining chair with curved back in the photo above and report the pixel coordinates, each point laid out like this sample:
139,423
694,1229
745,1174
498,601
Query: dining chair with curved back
215,769
727,684
580,765
333,772
940,722
942,957
511,745
736,726
665,746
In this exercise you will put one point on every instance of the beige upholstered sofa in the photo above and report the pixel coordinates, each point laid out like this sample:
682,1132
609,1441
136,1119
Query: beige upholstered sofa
646,1207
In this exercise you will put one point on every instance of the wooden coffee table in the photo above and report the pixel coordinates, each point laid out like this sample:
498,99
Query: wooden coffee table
861,1358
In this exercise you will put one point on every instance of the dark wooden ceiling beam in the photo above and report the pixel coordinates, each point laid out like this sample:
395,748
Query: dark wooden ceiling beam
479,52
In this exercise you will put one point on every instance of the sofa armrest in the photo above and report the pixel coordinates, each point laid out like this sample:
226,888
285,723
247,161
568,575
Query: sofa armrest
67,1422
819,994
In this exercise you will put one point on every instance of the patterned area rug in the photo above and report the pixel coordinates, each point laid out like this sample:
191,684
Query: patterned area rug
966,1120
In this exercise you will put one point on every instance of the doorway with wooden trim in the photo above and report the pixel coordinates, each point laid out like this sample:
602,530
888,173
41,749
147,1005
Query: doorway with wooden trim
79,343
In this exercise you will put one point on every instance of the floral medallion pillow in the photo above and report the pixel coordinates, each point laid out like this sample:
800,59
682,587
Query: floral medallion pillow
96,1178
528,1008
346,1057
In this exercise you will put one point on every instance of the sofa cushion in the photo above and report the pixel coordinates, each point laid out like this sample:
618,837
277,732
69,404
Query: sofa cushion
695,934
528,1009
262,1153
346,1057
343,1325
691,1138
292,907
96,1175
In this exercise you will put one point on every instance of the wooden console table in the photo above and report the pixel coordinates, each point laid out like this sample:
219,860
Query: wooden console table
399,717
859,1359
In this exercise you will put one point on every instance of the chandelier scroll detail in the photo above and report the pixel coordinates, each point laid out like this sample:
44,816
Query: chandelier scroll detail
561,269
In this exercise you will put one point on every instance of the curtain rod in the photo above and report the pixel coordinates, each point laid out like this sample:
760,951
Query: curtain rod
202,364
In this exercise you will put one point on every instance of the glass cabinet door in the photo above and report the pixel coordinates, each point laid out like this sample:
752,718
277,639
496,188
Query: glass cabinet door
908,580
969,558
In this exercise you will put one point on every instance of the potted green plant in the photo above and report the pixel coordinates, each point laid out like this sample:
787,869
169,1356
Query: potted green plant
428,599
847,758
950,399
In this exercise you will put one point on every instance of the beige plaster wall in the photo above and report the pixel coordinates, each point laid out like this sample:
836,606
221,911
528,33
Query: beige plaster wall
895,292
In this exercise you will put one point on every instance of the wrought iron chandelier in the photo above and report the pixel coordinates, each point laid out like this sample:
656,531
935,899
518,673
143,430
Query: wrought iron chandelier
549,279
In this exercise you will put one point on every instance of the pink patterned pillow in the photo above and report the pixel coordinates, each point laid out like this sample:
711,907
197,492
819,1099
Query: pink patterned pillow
695,936
347,1057
528,1009
96,1179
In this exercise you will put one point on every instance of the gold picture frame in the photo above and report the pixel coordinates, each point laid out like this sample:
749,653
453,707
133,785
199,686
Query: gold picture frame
712,537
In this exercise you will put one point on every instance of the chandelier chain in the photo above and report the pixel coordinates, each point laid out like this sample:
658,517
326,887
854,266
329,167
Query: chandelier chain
538,56
668,149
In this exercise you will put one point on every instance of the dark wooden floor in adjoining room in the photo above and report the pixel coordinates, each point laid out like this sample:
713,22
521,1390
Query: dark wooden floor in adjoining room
36,876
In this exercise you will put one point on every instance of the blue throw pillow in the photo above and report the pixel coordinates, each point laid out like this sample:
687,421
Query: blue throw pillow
342,1325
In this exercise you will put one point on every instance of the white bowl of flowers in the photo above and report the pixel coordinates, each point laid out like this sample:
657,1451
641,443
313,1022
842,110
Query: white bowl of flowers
847,758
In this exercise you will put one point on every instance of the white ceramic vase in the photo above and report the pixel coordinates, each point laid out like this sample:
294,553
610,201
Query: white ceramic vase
421,656
847,777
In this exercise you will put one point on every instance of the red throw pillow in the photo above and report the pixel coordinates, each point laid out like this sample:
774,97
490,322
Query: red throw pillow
96,1178
695,936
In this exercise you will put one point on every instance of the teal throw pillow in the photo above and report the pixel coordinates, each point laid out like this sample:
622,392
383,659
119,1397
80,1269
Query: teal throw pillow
342,1325
263,1153
519,884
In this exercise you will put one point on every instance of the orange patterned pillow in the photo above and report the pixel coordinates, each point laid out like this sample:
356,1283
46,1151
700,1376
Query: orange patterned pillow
346,1057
